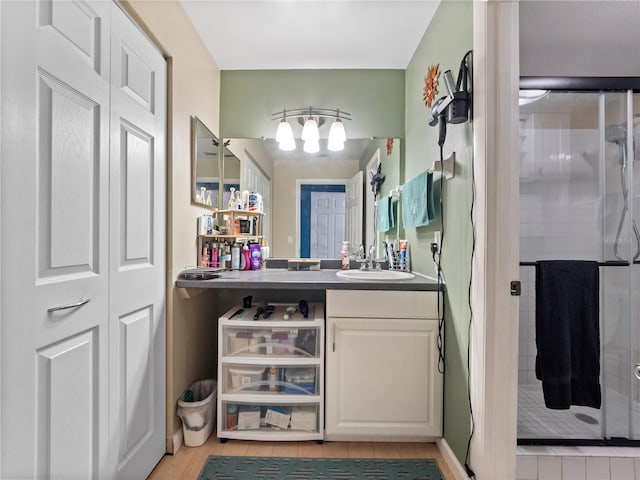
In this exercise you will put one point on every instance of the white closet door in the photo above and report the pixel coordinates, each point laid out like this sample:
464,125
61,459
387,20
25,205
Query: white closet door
55,186
354,198
137,250
327,221
254,180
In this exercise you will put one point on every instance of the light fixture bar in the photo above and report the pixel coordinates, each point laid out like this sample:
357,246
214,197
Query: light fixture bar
311,118
311,111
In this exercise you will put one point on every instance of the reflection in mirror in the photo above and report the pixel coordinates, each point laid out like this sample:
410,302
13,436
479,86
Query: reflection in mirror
231,174
318,200
205,178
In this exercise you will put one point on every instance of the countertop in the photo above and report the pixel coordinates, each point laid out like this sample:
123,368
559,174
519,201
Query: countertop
306,280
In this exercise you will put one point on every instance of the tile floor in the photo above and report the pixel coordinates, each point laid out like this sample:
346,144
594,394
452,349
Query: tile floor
536,421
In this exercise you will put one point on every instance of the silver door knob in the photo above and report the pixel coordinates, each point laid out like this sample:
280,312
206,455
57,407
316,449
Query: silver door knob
636,371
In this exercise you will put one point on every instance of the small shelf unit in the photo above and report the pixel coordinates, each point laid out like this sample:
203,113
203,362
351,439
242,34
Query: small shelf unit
234,228
271,374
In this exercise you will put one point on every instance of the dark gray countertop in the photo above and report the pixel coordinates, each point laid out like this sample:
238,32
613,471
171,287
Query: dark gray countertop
275,278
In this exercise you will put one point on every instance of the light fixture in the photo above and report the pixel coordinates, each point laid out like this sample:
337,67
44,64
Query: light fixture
311,119
311,146
284,133
529,96
337,135
288,144
310,131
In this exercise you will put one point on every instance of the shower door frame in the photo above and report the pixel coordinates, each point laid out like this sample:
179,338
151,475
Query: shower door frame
628,85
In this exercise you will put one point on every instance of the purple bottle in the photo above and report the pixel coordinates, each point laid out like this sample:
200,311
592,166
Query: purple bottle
256,256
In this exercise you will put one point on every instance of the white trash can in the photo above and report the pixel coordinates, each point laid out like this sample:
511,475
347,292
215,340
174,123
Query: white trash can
197,410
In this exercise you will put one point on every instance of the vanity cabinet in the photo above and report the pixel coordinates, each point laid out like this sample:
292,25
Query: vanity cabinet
232,220
271,374
382,365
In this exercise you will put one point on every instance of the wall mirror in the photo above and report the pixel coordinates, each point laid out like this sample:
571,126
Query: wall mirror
314,201
205,168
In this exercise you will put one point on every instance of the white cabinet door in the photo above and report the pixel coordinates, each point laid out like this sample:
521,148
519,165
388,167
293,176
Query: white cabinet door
382,378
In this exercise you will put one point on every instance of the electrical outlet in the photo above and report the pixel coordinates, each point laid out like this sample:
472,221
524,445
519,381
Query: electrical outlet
436,239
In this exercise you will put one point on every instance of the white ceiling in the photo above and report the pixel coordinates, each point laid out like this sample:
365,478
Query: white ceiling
305,34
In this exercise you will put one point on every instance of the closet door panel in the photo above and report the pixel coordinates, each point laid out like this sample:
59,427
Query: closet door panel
137,78
69,366
80,25
137,276
136,197
55,132
136,367
68,209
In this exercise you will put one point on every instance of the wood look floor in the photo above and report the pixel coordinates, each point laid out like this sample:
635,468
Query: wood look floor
187,463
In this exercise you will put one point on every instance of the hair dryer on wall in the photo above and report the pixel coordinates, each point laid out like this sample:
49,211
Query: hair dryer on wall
454,107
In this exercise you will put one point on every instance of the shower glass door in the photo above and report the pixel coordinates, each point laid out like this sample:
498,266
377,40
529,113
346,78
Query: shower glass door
617,324
576,203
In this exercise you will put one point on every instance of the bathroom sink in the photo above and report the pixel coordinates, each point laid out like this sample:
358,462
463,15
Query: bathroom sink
375,274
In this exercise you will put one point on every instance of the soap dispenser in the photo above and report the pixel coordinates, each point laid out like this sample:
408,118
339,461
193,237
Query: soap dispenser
344,256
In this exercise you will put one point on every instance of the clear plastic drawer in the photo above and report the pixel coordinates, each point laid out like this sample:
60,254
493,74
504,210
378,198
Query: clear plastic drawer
264,418
272,379
278,341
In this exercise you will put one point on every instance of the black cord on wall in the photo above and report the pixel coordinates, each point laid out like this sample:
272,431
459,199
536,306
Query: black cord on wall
467,467
438,250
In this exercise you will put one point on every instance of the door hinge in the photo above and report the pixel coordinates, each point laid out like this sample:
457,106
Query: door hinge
516,288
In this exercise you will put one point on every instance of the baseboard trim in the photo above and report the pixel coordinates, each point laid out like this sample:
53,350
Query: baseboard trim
178,440
451,459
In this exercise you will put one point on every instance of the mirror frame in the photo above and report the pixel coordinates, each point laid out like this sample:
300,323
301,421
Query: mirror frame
194,158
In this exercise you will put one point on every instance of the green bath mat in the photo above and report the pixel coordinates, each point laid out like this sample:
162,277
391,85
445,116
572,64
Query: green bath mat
277,468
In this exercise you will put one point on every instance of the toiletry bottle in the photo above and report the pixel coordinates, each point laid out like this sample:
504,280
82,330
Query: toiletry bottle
227,255
204,260
235,257
232,417
272,379
256,256
344,256
214,255
264,253
246,260
403,254
232,199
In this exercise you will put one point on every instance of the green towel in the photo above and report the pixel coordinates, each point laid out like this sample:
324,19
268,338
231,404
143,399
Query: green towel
383,215
417,201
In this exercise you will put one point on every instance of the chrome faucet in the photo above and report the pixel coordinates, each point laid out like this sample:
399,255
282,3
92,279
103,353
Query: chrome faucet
370,262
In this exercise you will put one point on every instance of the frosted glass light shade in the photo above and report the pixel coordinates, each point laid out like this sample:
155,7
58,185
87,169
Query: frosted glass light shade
337,136
310,131
335,147
288,144
311,146
284,132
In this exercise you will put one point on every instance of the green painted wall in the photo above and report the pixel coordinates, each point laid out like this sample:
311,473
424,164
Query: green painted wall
375,99
445,42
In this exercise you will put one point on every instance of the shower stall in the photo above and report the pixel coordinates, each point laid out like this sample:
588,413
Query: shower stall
580,200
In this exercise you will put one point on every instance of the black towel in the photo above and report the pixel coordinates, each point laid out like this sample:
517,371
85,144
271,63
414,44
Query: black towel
568,333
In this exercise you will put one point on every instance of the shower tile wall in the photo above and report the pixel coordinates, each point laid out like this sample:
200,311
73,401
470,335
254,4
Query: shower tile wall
560,209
